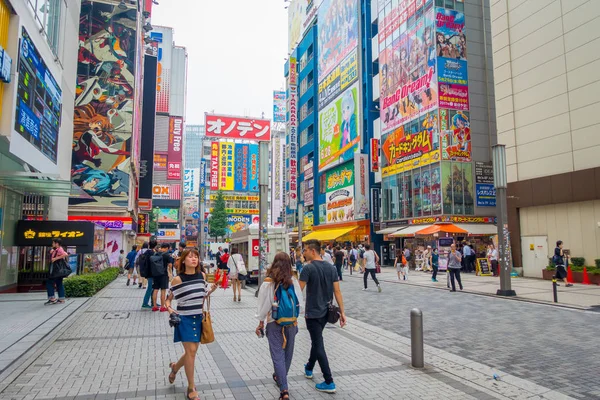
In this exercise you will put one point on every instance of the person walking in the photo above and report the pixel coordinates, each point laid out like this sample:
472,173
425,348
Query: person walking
338,256
321,282
280,282
326,256
299,259
160,263
57,253
130,263
352,258
371,260
399,264
143,268
427,259
467,254
492,256
435,264
121,261
237,273
454,266
559,261
189,289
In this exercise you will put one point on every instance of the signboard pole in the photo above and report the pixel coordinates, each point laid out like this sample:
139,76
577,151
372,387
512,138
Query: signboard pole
300,223
263,184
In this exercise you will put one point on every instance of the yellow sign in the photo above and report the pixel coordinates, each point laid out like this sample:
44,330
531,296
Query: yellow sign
531,247
30,234
252,211
226,168
235,198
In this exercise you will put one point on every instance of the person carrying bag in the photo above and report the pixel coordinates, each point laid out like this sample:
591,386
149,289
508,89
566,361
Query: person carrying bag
59,269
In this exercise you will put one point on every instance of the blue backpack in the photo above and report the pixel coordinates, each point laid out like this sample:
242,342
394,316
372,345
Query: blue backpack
288,305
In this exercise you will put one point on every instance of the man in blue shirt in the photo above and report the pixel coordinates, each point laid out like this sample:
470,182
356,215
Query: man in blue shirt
130,265
469,256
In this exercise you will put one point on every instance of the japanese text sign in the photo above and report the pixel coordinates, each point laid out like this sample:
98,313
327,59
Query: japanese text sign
226,166
226,127
175,148
405,152
214,166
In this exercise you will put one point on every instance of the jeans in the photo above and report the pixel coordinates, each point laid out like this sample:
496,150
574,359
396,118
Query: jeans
315,328
366,274
435,271
282,358
339,271
59,285
455,273
148,294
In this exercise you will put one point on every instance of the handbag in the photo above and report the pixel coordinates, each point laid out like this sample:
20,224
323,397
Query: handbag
207,336
377,268
333,313
241,271
60,269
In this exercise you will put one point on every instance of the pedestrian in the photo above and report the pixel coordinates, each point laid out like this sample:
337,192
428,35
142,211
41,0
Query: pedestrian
371,260
467,253
427,259
121,261
143,266
218,257
160,263
344,250
559,261
321,282
299,260
492,256
130,263
57,253
352,257
407,255
435,264
326,256
189,289
454,266
399,264
280,284
237,273
361,258
224,259
338,261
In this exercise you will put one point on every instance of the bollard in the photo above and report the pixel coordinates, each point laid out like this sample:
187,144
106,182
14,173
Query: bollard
416,338
554,290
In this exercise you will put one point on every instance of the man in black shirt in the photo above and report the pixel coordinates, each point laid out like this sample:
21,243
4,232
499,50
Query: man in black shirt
338,258
321,281
160,275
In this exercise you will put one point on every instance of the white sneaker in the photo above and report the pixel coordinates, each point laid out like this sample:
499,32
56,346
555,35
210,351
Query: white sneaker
365,289
379,288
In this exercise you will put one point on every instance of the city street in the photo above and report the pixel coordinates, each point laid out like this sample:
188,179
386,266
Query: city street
110,349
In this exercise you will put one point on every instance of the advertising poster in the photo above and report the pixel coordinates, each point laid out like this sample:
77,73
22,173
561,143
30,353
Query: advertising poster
361,186
226,165
191,230
485,195
454,97
190,206
403,152
174,155
104,97
450,37
338,33
166,215
242,158
166,192
228,127
338,80
408,77
164,37
160,161
457,188
191,182
339,193
338,128
436,190
214,165
279,106
308,221
253,168
237,223
456,141
301,14
452,71
142,224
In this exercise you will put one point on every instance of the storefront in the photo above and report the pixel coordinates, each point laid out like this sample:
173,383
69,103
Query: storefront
349,232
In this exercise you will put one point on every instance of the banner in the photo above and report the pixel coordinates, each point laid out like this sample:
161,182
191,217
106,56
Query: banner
226,166
253,168
339,193
361,186
166,215
166,192
242,160
191,182
339,79
169,234
277,156
228,127
454,97
175,148
292,136
301,14
452,71
142,224
237,223
236,197
338,33
214,166
404,152
374,155
279,106
450,37
485,195
190,206
338,128
456,141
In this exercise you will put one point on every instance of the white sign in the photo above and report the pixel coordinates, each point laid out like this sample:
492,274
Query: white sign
174,234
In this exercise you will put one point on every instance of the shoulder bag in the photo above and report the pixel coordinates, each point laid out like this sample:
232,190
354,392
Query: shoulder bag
333,311
59,269
208,336
241,271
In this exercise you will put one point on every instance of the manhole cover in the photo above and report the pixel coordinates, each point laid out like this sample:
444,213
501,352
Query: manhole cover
117,315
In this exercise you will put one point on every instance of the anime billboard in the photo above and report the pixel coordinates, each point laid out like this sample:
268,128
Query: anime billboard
455,135
104,103
450,38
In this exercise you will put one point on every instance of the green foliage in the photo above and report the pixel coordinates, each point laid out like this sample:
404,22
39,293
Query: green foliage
597,262
578,261
577,268
217,224
89,284
594,271
551,264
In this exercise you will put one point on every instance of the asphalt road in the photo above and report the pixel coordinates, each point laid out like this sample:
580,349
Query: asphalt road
554,347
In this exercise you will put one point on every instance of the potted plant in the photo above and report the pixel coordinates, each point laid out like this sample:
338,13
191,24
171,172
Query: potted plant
549,271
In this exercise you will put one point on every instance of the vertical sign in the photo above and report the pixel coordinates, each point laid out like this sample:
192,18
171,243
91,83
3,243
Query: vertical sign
253,167
174,157
292,134
148,120
202,173
242,157
375,155
361,186
164,38
214,166
142,225
277,174
226,166
279,106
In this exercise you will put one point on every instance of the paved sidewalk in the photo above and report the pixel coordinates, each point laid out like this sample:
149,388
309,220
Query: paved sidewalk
111,349
537,290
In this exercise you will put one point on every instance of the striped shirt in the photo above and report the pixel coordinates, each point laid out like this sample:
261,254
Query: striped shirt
190,294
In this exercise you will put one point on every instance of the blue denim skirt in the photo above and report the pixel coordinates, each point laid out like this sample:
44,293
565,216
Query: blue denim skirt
189,329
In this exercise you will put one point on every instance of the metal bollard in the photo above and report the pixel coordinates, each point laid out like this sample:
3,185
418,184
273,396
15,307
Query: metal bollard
416,338
554,290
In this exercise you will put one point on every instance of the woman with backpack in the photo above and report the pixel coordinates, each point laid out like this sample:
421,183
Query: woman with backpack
237,272
279,300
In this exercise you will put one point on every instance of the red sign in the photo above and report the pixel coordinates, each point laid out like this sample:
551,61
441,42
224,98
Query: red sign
374,155
214,166
221,126
145,204
256,247
175,148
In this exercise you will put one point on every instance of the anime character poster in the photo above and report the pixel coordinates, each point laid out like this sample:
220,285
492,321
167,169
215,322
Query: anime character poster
102,125
339,193
450,37
456,141
338,33
436,190
457,181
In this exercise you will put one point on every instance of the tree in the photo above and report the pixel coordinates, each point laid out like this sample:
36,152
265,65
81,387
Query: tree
217,224
153,224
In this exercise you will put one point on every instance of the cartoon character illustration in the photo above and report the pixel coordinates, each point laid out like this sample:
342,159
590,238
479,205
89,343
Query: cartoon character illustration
349,129
93,181
461,131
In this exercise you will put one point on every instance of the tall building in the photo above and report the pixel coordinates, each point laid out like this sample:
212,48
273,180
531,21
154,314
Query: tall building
37,91
546,62
194,138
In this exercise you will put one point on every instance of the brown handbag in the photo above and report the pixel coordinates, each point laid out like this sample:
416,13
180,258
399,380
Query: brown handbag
208,336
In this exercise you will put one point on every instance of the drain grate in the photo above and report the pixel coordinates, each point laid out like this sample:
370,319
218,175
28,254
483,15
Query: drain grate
116,315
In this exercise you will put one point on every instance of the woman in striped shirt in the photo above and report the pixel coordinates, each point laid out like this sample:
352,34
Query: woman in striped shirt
189,288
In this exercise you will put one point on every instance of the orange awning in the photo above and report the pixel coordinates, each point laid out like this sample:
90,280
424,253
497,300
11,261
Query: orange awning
446,228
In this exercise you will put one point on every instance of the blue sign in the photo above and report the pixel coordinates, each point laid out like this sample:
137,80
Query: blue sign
206,230
241,167
452,71
5,66
196,215
253,168
485,195
202,173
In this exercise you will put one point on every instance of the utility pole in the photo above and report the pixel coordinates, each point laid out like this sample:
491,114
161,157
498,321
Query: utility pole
300,223
263,184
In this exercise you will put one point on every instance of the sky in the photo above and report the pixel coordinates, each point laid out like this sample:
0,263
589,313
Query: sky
236,53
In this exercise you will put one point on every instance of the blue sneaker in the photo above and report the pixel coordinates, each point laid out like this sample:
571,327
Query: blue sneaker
146,306
308,374
326,387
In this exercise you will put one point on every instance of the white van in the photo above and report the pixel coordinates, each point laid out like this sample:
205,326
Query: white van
246,243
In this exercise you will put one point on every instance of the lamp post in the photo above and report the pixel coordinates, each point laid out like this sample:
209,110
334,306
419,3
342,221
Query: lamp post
499,164
263,184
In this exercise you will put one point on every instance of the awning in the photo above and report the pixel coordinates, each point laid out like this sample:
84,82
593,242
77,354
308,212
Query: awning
479,229
410,231
387,231
436,228
36,183
328,234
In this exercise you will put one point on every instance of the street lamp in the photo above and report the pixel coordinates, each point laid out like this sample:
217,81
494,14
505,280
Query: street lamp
499,165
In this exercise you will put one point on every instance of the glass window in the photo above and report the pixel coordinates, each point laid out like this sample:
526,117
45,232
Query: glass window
459,6
417,193
439,3
457,188
449,4
407,203
426,190
47,14
436,190
394,198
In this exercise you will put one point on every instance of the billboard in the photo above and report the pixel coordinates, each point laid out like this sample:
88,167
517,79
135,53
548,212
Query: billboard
279,106
175,145
190,206
230,127
166,192
338,80
408,74
339,193
164,37
214,166
166,215
226,165
455,135
451,49
361,189
451,40
148,127
242,158
339,123
160,161
338,33
104,97
403,151
191,182
292,136
237,223
301,14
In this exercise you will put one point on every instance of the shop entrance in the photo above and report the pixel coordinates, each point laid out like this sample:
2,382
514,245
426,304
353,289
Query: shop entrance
534,250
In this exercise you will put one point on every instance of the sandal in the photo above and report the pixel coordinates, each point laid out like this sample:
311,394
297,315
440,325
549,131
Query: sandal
284,395
190,392
173,374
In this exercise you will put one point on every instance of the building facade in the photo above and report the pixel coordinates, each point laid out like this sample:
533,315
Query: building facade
546,63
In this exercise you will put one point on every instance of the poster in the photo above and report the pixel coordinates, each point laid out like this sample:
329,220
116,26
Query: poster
338,80
339,193
403,151
237,223
242,167
226,165
456,141
191,230
485,195
339,124
104,97
160,161
450,37
191,182
457,186
279,106
175,143
454,97
338,33
190,206
452,71
361,189
301,14
113,243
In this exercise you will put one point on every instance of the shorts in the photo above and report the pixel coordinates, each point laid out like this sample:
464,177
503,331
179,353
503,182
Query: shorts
561,273
160,282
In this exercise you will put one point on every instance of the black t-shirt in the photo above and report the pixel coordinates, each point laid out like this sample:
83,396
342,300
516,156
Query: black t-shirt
319,277
339,258
166,258
558,259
